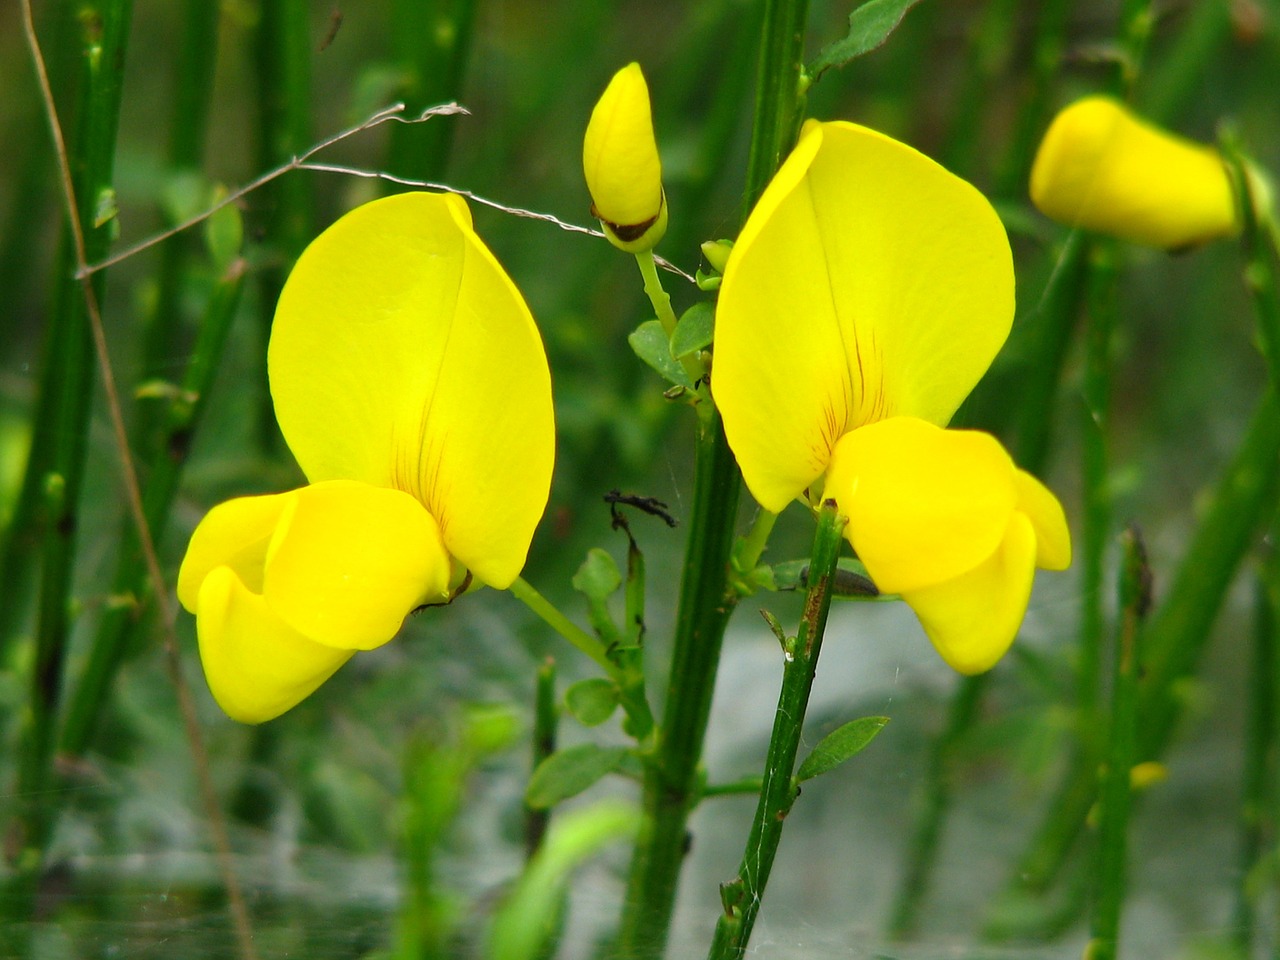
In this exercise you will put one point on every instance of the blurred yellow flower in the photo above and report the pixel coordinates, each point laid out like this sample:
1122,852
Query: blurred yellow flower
1104,169
411,385
868,293
621,164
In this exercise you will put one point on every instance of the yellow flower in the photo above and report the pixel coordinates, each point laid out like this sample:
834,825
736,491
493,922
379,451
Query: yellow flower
411,385
1101,168
867,295
621,164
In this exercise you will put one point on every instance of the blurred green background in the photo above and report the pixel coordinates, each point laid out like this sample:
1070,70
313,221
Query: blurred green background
317,799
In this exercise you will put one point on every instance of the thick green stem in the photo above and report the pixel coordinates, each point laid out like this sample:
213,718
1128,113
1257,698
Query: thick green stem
671,778
546,720
283,58
1109,877
743,894
1258,790
706,597
432,43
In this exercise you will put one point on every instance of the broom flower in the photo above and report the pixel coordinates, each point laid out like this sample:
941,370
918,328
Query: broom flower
411,385
868,293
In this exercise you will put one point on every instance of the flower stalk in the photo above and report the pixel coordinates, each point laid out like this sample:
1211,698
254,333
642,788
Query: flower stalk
743,894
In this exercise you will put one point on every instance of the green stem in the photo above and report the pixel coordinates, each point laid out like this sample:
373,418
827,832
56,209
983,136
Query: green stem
523,591
56,468
1242,500
750,548
671,785
1114,800
1033,116
1258,793
432,40
742,895
661,302
131,586
706,596
546,718
751,785
1096,391
283,58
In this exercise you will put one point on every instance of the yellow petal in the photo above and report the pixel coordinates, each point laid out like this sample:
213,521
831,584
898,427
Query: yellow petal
867,283
1053,540
256,665
1102,168
233,534
403,356
620,157
349,561
973,619
925,505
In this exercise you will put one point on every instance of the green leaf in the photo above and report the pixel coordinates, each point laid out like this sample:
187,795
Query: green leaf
694,330
869,27
593,701
653,346
530,916
598,577
851,580
839,745
566,773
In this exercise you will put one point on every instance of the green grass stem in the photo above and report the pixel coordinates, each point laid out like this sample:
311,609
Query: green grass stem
1114,799
432,44
1258,787
283,56
546,720
743,894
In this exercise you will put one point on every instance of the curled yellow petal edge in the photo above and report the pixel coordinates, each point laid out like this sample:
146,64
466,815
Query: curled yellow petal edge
868,282
403,356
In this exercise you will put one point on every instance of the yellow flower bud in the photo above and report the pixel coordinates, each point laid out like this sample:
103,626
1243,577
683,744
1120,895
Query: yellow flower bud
1101,168
621,164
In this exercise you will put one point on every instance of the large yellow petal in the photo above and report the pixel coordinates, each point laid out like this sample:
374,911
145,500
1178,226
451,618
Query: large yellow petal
349,561
233,534
1102,168
973,619
868,282
256,665
1053,539
403,356
925,505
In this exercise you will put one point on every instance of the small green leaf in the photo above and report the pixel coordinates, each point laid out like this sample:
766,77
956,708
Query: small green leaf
869,27
694,331
566,773
839,745
598,576
652,345
593,701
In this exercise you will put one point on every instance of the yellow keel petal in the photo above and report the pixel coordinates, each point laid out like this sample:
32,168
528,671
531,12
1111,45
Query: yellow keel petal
349,561
973,619
925,504
256,665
